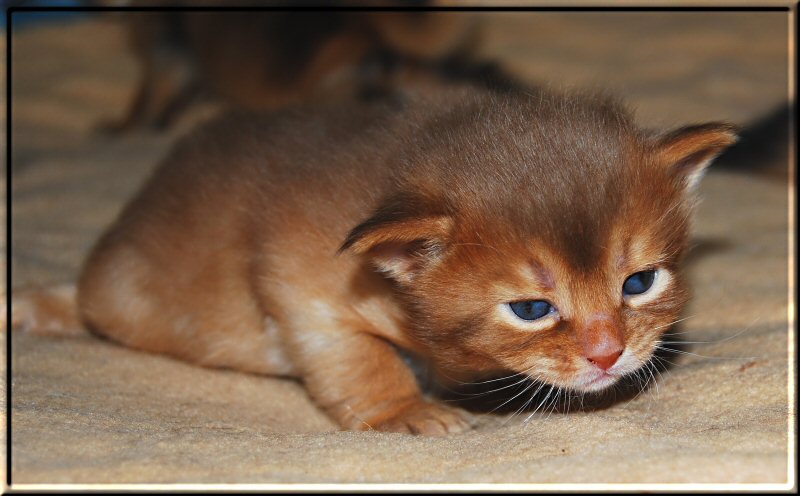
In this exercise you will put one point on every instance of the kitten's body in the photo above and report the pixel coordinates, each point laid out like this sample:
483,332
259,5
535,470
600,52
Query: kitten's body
254,246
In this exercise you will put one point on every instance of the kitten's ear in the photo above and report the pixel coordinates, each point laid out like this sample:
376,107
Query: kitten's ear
398,243
689,150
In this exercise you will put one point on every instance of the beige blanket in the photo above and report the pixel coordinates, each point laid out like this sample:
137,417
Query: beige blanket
87,411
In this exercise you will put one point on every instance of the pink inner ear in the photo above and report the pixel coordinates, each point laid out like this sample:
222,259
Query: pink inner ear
692,168
401,261
689,165
396,259
398,248
688,151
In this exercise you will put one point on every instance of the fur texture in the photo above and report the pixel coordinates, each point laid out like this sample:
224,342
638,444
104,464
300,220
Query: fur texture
314,243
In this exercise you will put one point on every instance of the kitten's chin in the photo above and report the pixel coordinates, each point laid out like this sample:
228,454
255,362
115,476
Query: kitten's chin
595,382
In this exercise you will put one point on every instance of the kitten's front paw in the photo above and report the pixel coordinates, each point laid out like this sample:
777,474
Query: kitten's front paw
426,418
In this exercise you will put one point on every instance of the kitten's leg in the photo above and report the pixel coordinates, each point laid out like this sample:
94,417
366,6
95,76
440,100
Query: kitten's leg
134,114
208,318
363,383
166,88
45,311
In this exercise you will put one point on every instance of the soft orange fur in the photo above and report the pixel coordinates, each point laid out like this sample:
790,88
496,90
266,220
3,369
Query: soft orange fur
315,243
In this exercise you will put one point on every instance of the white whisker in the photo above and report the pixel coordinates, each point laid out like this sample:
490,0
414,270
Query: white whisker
675,322
512,398
671,350
484,393
749,326
484,382
527,403
539,405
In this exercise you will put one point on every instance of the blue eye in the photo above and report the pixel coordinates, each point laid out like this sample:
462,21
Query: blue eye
531,309
639,282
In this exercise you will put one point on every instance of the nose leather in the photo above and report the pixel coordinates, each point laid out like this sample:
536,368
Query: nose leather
605,362
602,341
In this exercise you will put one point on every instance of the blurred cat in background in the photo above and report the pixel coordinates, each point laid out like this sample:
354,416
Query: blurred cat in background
269,59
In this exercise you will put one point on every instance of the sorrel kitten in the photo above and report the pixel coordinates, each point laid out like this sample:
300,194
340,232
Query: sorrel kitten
540,234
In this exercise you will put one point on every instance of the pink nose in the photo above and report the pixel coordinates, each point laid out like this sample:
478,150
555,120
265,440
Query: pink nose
605,362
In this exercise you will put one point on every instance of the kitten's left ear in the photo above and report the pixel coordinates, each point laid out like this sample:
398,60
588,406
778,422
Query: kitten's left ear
689,150
398,242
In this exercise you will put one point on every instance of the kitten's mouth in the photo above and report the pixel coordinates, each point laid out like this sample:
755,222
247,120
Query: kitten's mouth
597,382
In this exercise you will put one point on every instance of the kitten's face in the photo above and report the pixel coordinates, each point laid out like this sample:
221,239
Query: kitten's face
521,305
568,275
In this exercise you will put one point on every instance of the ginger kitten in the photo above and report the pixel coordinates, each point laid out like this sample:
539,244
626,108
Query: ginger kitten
534,233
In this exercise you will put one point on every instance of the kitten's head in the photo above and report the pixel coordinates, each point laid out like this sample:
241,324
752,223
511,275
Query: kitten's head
542,235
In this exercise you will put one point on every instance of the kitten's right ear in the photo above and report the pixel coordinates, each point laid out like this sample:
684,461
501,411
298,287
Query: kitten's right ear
688,151
398,242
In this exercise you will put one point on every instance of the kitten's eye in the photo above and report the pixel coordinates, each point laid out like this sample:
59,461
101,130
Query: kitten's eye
531,309
639,282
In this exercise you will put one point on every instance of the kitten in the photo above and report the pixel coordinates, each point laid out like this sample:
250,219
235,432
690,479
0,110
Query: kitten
270,59
535,233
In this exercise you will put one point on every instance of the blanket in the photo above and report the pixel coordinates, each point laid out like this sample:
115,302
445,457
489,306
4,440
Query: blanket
87,411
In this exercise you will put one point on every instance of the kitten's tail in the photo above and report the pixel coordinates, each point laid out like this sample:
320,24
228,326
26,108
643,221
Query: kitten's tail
51,311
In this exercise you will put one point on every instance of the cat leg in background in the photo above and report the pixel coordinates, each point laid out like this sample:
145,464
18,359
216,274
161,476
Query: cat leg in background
45,311
168,83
